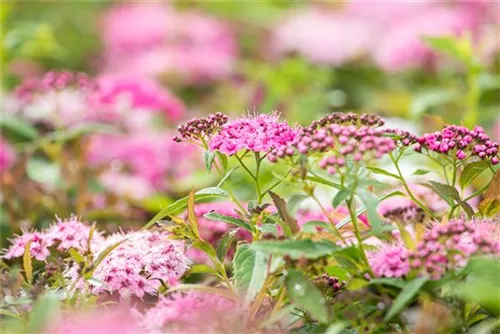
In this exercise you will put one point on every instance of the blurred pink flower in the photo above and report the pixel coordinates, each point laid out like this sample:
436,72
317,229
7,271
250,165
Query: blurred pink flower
194,312
7,155
127,186
39,247
389,261
154,39
324,37
402,47
135,94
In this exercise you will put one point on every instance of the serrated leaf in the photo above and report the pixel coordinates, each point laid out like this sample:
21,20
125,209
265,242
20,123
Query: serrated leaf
208,159
225,242
228,219
471,171
296,249
306,296
288,220
180,205
449,193
491,202
27,265
371,203
340,197
201,269
381,171
406,295
249,271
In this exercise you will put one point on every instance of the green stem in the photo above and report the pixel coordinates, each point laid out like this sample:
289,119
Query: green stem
410,193
258,160
355,223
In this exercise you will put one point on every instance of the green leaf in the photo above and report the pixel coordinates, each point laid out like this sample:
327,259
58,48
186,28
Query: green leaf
491,202
208,159
423,101
481,292
394,282
80,130
405,297
321,180
357,284
313,225
226,177
250,268
180,205
421,172
340,272
206,248
337,328
471,171
296,249
27,265
192,219
76,256
45,312
16,129
289,221
223,160
458,48
43,171
225,242
306,296
340,197
449,193
228,219
201,269
371,203
381,171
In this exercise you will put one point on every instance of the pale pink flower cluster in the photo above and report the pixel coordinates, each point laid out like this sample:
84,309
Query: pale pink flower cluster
140,264
391,260
153,157
210,230
193,312
444,247
391,33
261,133
63,235
154,39
7,155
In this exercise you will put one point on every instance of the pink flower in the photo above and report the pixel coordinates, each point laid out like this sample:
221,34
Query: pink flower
194,312
39,247
402,46
154,39
260,133
7,155
324,37
139,264
389,261
127,186
137,94
72,233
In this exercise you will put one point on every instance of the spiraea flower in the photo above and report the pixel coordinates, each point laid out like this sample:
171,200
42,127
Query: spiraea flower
390,260
338,137
460,142
201,130
261,133
193,312
140,264
449,246
39,247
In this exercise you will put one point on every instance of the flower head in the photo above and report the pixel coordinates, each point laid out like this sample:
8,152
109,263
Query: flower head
391,260
72,233
261,133
201,129
7,155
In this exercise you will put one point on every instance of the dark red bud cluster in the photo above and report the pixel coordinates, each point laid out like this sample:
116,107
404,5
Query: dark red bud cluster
201,127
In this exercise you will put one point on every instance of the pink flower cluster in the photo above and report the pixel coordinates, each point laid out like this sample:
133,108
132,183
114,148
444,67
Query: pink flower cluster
391,260
7,155
140,264
397,29
444,247
460,142
210,230
194,312
154,39
63,235
449,246
261,133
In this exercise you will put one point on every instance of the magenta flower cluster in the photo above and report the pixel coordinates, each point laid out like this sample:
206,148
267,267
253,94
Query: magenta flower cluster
444,247
460,142
63,235
261,133
140,264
